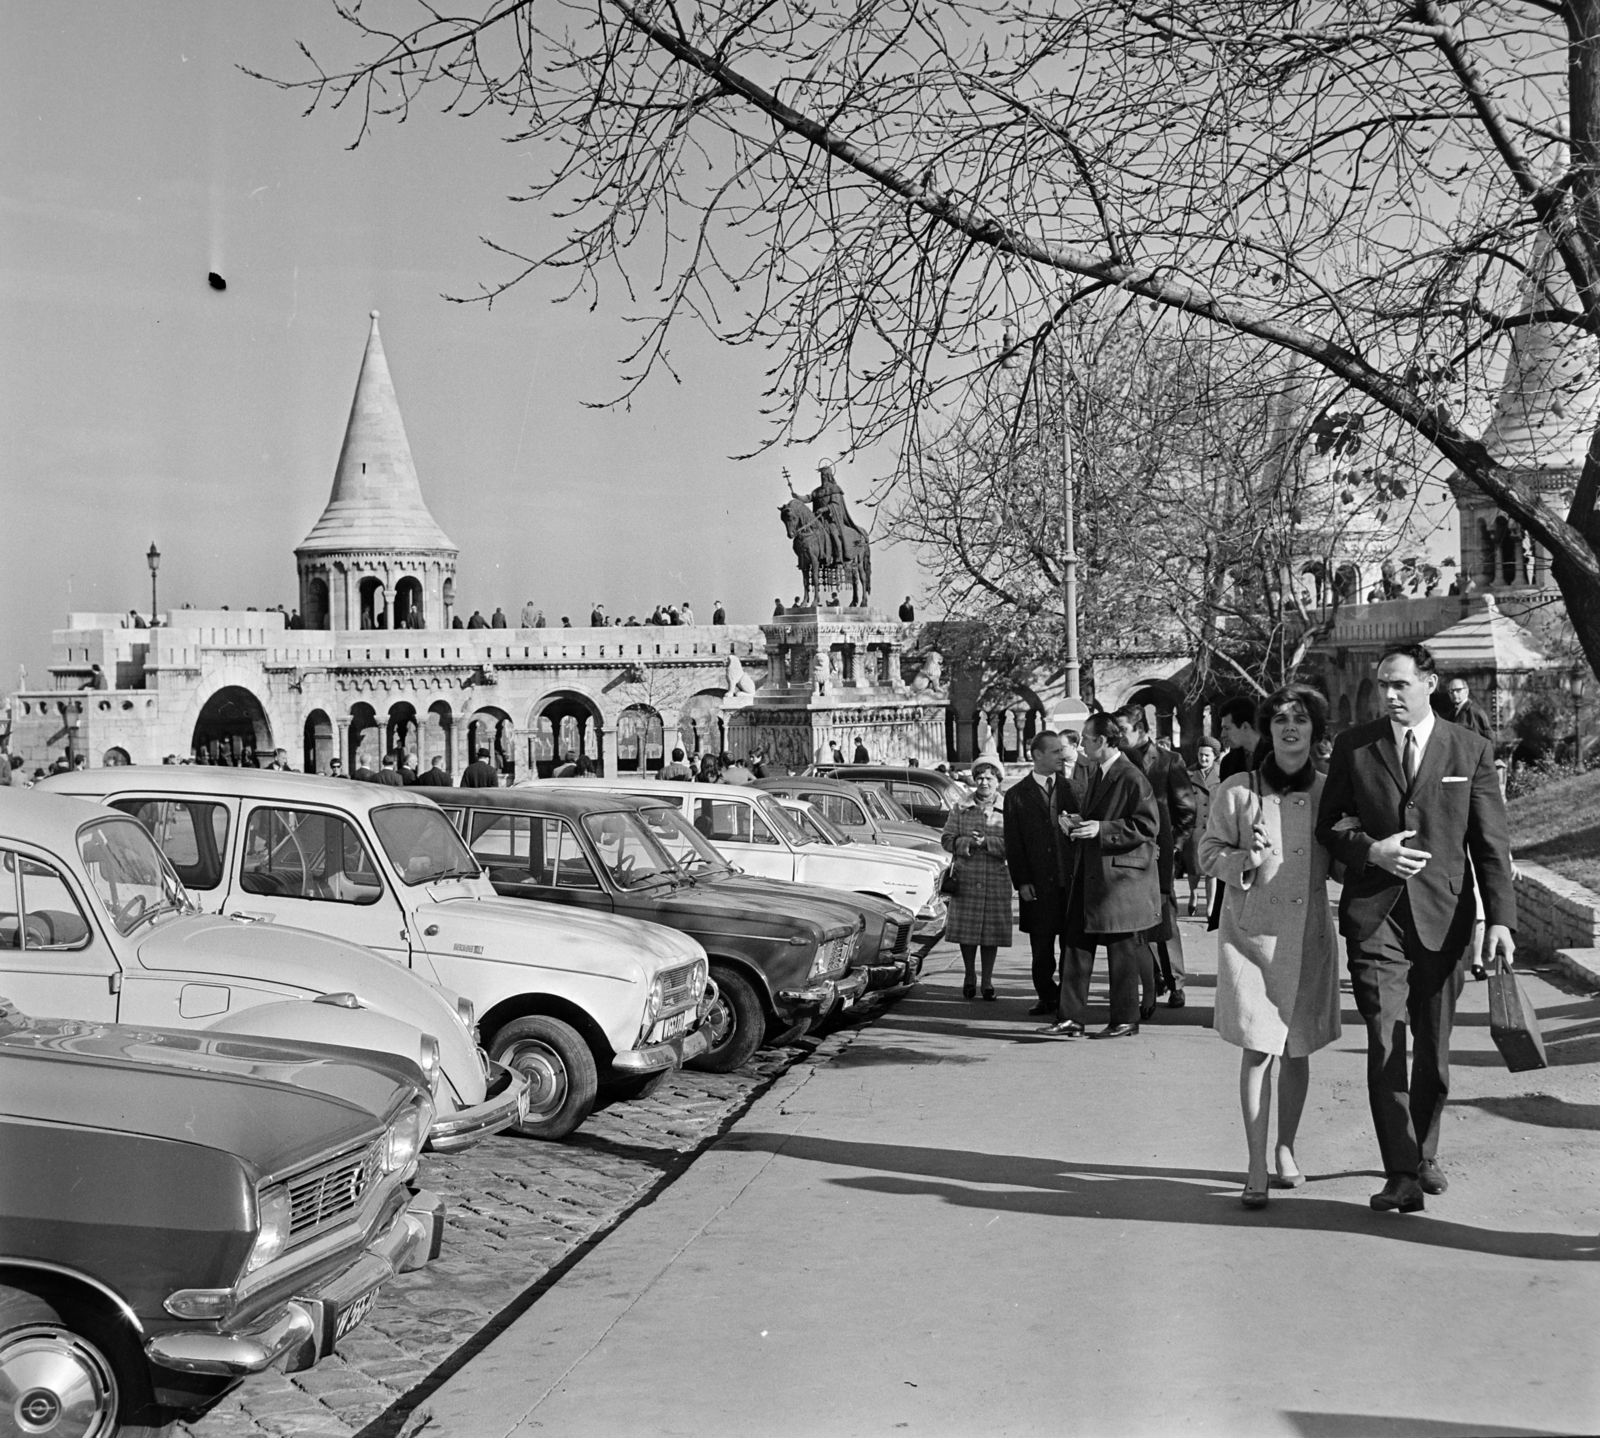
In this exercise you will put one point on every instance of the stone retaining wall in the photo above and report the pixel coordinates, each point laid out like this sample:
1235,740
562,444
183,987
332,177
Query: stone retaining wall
1553,913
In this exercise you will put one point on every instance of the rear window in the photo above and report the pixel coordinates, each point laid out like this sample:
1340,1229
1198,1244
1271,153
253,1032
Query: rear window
192,833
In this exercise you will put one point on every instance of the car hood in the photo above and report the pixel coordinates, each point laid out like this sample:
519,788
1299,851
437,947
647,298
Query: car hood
574,940
209,946
916,866
762,891
272,1104
734,898
910,830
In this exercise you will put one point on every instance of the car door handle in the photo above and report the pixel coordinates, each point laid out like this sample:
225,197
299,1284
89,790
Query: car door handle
251,918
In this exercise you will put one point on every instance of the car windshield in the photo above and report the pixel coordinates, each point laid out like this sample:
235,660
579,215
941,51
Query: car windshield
692,852
422,844
773,812
819,829
129,873
883,807
627,850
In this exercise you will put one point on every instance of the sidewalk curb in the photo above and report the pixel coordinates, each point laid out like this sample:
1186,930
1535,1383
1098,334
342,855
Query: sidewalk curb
499,1389
1582,966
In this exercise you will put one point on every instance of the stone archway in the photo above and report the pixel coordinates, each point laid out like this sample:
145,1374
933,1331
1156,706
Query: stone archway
317,612
491,729
701,725
372,604
566,727
366,740
408,612
232,728
320,747
640,738
401,732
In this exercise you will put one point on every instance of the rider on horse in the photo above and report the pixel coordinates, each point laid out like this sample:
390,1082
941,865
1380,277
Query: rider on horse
828,504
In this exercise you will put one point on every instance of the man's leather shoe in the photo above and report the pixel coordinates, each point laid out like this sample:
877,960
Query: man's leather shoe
1066,1029
1400,1193
1430,1177
1176,1000
1117,1031
1042,1008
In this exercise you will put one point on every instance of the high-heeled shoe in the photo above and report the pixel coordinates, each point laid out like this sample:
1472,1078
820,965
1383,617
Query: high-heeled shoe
988,992
1253,1197
969,990
1292,1180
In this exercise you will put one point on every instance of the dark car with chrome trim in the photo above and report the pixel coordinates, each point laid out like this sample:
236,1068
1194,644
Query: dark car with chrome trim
928,795
179,1210
783,955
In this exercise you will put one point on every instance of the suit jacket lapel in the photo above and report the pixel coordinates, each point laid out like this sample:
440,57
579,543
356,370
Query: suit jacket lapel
1391,756
1091,794
1434,759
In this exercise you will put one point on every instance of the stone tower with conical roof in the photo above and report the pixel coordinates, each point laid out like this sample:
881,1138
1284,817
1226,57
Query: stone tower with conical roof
1543,418
376,559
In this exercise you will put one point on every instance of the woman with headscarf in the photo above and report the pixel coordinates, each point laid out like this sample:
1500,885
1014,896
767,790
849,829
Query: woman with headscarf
980,909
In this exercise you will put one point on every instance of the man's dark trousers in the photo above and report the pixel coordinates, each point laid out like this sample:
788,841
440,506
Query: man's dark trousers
1399,984
1045,937
1126,956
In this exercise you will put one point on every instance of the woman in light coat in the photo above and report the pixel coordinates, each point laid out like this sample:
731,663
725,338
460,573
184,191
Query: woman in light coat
979,919
1277,958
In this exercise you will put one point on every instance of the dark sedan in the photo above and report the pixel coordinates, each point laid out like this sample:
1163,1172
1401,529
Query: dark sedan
782,955
179,1210
926,794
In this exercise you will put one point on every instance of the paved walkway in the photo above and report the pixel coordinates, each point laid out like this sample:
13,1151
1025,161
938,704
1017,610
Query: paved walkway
957,1226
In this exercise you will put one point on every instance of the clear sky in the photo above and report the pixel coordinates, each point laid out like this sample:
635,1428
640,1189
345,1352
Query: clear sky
138,404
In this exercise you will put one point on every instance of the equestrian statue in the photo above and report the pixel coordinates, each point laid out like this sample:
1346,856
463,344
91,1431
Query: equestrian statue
830,547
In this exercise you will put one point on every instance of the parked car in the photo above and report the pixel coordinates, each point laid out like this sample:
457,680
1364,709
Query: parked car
562,997
750,828
863,814
779,961
95,925
926,794
181,1209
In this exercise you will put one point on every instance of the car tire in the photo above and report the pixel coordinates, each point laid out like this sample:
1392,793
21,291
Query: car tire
737,1023
562,1081
628,1089
98,1383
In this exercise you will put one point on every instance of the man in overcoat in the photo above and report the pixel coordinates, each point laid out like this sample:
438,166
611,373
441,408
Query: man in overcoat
1175,801
1412,808
1033,855
1111,877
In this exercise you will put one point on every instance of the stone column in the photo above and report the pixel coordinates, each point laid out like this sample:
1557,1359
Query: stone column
342,746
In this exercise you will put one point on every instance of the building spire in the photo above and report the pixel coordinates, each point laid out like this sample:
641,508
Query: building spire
376,502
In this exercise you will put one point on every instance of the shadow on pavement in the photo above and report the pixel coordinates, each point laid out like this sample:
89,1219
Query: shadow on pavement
1541,1109
1121,1193
868,1055
1383,1425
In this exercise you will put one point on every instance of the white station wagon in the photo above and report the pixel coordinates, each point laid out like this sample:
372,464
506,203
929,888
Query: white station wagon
750,827
96,926
562,996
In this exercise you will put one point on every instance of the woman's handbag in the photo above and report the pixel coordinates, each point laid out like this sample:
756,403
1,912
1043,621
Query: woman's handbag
949,885
1514,1023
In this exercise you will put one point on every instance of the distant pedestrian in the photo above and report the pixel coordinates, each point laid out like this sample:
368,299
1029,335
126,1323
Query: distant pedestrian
797,601
477,621
434,776
719,615
674,617
1236,723
980,909
633,622
530,616
1033,855
1203,780
389,773
837,752
710,769
408,768
455,622
1277,962
861,756
481,774
908,611
565,622
777,608
597,617
335,769
686,612
1458,708
677,768
498,619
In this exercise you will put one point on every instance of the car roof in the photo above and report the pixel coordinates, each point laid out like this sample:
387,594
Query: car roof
782,783
51,821
895,771
669,789
546,798
201,779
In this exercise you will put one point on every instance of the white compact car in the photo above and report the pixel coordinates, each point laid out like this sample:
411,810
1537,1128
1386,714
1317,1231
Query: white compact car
96,926
565,997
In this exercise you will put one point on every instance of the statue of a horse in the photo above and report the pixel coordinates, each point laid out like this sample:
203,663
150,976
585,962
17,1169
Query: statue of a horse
813,551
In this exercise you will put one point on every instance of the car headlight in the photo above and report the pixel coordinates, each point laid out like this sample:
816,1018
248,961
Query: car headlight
274,1213
429,1060
467,1014
655,999
405,1136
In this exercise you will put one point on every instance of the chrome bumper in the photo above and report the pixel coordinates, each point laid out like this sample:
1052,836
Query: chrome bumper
305,1330
670,1054
507,1104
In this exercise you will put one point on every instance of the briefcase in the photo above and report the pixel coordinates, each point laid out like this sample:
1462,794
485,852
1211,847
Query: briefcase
1513,1024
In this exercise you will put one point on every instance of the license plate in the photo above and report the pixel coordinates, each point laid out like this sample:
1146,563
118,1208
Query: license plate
354,1314
671,1028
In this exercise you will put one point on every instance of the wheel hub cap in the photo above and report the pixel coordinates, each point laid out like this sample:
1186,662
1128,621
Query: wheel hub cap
546,1075
55,1385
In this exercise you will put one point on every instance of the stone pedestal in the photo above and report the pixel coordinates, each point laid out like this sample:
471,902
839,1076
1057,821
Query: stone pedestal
835,675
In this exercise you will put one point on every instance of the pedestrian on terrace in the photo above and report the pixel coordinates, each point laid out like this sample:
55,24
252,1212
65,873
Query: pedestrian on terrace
980,909
1277,959
480,774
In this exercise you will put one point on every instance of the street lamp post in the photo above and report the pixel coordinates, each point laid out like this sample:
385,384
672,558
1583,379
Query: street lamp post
1575,686
1071,711
153,559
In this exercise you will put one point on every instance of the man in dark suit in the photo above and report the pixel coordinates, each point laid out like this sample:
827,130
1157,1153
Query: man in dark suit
1412,808
1033,855
480,774
1112,879
1458,708
1169,780
434,776
389,773
1236,723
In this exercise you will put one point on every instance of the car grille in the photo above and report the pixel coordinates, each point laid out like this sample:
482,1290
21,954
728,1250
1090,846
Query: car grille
677,988
901,937
332,1189
836,954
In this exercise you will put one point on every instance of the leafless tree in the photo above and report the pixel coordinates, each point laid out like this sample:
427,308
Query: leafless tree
872,189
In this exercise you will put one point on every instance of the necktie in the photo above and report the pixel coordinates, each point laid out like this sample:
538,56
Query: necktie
1049,789
1409,757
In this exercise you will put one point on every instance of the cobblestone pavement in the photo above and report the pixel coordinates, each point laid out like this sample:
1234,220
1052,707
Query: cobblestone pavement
518,1209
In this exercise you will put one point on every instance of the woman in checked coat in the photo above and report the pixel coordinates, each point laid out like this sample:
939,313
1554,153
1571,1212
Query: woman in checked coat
1277,959
980,908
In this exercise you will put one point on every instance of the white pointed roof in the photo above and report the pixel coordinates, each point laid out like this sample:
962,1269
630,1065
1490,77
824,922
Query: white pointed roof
377,500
